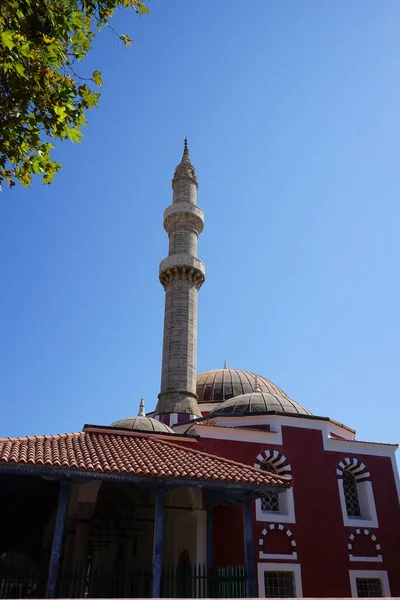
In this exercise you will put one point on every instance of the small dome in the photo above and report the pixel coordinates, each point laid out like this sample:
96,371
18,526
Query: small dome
259,402
142,423
221,384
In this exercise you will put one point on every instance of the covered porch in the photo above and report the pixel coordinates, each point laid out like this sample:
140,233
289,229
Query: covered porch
73,532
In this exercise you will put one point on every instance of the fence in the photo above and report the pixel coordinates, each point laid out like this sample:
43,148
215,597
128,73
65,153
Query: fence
199,582
118,582
176,582
15,584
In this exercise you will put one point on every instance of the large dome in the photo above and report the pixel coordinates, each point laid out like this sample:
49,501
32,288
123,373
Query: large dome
258,402
222,384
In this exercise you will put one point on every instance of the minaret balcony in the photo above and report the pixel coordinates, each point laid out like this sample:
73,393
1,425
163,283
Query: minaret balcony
183,213
182,260
182,267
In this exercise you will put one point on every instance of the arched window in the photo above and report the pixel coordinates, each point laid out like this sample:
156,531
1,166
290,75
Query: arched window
273,506
351,494
269,502
356,493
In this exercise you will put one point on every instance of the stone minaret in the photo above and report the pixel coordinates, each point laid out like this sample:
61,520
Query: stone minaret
182,275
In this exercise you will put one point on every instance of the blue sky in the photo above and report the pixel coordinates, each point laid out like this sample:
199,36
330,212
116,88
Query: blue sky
292,110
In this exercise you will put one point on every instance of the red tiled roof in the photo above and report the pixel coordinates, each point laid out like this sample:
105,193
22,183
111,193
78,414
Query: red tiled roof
130,454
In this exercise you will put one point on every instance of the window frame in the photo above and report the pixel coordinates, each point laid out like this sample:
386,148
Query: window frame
295,568
369,517
372,574
271,469
286,513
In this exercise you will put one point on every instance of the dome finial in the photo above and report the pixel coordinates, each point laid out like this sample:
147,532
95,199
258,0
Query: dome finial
225,364
141,412
256,387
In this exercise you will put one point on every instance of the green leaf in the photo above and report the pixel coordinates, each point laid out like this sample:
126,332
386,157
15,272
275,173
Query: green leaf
19,67
74,134
97,78
126,39
143,10
7,39
60,111
25,49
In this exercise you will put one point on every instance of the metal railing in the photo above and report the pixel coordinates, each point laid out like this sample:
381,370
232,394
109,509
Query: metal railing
176,582
120,582
20,585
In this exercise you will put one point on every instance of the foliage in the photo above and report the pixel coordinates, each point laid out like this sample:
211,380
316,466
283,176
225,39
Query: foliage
42,98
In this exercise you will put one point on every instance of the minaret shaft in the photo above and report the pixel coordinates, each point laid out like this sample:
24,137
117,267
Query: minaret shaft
182,275
180,339
183,241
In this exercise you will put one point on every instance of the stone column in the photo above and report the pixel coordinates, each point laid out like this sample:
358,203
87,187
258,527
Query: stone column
158,542
249,548
57,539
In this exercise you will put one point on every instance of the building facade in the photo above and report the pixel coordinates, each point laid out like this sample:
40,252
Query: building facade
334,533
229,489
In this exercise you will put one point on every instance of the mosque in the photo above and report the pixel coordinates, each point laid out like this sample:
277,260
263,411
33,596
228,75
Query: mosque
229,489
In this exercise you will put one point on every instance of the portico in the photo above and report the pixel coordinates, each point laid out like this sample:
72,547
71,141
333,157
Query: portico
118,513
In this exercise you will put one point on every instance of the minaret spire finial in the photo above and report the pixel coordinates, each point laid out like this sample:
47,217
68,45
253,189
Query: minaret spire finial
141,412
185,155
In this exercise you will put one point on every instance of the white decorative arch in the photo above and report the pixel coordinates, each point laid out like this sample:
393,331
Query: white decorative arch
275,458
355,467
372,536
279,527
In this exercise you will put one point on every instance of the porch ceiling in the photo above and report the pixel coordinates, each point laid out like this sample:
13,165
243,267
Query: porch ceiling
103,454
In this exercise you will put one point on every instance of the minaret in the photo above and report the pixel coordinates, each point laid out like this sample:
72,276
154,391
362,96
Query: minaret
182,275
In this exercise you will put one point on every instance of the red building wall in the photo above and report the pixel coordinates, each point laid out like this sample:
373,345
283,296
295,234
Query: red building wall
228,536
321,537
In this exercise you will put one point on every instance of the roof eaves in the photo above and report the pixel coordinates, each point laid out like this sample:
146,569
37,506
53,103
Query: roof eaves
223,460
365,442
76,475
104,429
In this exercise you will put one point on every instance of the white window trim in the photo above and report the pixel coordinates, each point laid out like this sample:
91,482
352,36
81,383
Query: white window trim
382,575
366,558
294,568
292,556
286,512
367,505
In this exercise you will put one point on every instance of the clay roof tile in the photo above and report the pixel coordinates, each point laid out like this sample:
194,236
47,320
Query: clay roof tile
102,451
